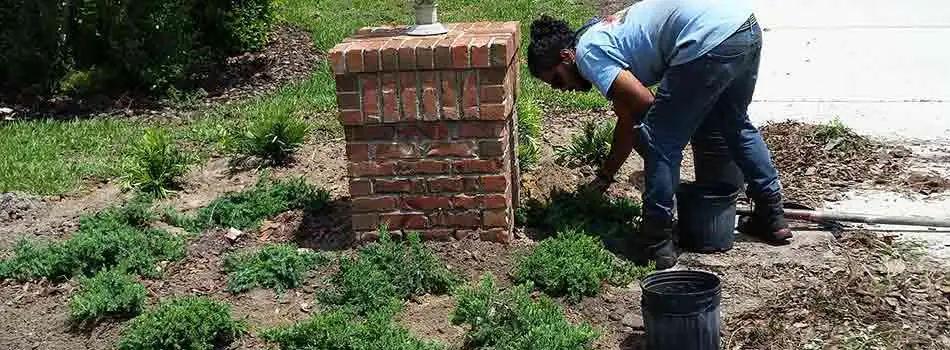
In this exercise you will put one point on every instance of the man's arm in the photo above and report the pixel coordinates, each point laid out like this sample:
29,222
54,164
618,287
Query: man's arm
631,100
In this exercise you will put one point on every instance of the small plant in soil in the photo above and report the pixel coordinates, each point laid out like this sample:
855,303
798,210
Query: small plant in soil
387,273
277,266
515,319
273,136
184,323
344,330
529,130
248,208
837,136
573,264
590,147
612,219
113,238
107,294
154,164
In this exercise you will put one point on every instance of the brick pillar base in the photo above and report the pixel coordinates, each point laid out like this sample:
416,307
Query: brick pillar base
430,129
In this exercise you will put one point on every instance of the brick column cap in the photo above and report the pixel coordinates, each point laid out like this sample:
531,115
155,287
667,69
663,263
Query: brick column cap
389,49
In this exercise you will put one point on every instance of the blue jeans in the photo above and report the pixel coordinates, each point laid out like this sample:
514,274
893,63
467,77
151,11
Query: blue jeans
713,91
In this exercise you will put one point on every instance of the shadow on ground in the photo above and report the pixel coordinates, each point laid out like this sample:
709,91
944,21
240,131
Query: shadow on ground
327,229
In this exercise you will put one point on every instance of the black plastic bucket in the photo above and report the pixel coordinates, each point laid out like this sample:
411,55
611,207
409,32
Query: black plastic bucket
712,161
707,216
681,310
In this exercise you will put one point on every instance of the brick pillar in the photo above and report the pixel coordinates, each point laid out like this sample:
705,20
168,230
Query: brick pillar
430,129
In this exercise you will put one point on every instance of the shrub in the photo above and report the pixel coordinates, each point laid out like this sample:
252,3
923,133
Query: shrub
571,264
342,330
529,130
387,273
113,238
187,323
278,266
108,293
265,199
274,136
238,26
154,164
589,211
590,147
30,46
514,319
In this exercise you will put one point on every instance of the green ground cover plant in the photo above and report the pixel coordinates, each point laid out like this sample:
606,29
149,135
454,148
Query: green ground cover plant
343,330
108,293
514,319
590,147
610,218
387,273
113,238
197,323
248,208
574,264
155,164
276,266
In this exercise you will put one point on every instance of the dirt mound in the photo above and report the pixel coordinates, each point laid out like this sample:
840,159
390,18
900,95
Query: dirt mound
816,162
926,183
14,207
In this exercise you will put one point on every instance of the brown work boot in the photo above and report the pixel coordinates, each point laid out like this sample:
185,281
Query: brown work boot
767,221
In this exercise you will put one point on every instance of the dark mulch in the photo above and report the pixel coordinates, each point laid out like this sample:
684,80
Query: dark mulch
814,169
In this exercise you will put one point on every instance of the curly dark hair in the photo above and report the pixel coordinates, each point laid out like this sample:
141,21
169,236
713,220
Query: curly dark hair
548,37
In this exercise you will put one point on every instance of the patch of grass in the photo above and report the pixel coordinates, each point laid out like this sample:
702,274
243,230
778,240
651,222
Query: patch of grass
343,330
529,130
154,164
186,323
113,238
273,135
55,157
573,264
514,319
590,147
612,219
387,273
277,266
248,209
108,293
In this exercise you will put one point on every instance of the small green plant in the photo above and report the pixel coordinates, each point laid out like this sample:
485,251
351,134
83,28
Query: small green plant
589,147
610,218
529,130
387,273
248,208
344,330
108,293
273,136
186,323
278,266
514,319
571,264
154,164
113,238
837,136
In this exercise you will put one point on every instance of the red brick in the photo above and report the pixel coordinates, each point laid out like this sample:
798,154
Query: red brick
398,186
496,218
337,59
409,100
471,184
363,205
430,96
495,201
396,151
469,166
470,219
370,85
443,53
422,167
480,52
357,152
433,131
494,111
463,201
407,54
469,81
371,133
437,234
492,94
347,83
451,149
444,184
450,106
365,221
348,101
404,221
490,149
494,183
426,202
493,76
359,188
460,53
425,54
351,117
499,235
502,50
360,169
389,55
390,106
474,129
371,55
354,58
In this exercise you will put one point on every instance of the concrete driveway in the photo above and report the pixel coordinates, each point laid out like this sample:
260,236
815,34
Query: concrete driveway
883,68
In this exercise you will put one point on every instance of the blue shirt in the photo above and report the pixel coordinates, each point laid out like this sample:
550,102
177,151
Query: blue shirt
653,35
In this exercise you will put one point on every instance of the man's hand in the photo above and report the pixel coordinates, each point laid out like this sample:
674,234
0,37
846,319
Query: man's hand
601,183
